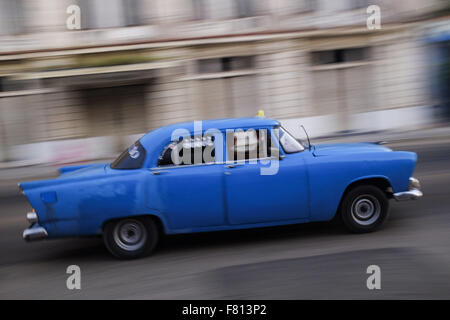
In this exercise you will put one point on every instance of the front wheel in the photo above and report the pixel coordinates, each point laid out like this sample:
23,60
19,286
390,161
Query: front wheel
130,238
364,209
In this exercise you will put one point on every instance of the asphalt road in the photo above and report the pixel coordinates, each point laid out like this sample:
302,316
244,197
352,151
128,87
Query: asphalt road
314,261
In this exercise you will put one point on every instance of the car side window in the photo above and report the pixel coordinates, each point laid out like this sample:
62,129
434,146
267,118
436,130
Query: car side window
250,144
188,151
131,158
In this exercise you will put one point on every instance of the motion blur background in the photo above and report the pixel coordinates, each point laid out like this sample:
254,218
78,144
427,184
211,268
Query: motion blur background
77,95
71,96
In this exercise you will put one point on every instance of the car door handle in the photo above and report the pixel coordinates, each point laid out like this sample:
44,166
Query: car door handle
231,166
227,173
157,173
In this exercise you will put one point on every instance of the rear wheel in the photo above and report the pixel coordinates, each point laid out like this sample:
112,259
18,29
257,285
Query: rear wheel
364,209
130,238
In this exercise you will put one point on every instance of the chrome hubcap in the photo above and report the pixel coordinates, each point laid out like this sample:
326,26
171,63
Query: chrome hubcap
366,209
130,235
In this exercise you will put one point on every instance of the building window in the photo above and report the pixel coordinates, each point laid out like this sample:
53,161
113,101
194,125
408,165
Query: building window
198,7
342,82
115,111
224,9
358,4
11,17
302,6
7,84
244,8
227,87
340,56
109,13
225,64
131,12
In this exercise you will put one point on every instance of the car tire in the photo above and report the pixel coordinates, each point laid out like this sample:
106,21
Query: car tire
131,238
364,209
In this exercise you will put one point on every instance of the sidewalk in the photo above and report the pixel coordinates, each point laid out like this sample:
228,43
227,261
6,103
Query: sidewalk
11,175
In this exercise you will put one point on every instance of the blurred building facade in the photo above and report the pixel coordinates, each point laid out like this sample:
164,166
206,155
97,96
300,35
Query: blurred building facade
72,95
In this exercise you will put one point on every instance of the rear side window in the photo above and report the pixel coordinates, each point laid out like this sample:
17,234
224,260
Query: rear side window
188,151
250,144
132,158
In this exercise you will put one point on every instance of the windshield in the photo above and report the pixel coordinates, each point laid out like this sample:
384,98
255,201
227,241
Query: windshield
289,143
131,158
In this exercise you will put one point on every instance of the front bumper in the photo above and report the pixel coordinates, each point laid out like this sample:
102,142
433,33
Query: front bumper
35,231
413,192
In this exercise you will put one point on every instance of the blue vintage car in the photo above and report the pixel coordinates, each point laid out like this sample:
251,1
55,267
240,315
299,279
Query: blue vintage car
218,175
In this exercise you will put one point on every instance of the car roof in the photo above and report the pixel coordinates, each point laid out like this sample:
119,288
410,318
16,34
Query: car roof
154,141
220,124
226,123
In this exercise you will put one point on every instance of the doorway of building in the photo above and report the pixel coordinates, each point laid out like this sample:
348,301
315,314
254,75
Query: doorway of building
115,111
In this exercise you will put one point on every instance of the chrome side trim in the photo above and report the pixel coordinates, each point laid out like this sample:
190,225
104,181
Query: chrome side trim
412,194
32,217
34,233
236,162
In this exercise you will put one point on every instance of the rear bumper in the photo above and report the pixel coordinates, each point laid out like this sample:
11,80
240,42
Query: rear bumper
413,192
35,232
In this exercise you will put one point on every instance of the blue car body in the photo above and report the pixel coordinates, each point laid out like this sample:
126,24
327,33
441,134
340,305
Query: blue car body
308,186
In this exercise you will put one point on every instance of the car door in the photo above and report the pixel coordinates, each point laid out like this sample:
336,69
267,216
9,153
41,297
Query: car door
255,195
190,194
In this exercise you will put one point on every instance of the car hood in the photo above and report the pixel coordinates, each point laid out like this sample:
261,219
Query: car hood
347,148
